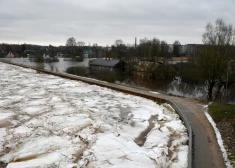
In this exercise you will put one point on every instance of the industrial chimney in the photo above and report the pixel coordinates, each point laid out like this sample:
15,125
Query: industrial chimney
135,42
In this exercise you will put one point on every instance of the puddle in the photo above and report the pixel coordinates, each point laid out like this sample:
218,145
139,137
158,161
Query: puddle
140,140
5,124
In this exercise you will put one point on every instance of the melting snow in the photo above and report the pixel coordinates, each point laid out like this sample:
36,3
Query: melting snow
47,121
219,138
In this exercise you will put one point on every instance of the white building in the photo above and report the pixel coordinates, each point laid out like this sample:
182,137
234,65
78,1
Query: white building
10,55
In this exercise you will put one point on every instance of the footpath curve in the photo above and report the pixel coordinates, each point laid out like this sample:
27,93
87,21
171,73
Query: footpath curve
204,152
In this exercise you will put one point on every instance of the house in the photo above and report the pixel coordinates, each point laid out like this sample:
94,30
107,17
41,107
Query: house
87,53
10,55
106,65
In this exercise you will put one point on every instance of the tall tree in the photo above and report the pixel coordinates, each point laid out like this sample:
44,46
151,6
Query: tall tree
218,42
176,48
118,50
155,49
164,48
71,42
23,48
145,47
80,43
118,42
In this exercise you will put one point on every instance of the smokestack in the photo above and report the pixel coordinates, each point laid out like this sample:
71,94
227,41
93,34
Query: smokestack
135,41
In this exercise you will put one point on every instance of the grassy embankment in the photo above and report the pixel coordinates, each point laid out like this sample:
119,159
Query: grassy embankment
224,116
222,112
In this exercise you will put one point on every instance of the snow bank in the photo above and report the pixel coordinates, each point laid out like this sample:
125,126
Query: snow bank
54,122
219,139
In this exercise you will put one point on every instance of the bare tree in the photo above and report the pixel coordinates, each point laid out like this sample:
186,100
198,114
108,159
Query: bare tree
118,42
176,48
80,43
214,56
71,42
164,49
155,49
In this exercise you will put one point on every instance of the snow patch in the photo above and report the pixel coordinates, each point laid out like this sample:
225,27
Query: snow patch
219,140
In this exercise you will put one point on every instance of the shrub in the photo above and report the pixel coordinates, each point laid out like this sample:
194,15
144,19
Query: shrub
77,70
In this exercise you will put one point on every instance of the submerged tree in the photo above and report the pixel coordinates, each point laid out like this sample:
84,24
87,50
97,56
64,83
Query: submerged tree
214,56
71,43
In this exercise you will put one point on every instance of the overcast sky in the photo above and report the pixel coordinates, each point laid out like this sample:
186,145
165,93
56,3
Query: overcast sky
103,21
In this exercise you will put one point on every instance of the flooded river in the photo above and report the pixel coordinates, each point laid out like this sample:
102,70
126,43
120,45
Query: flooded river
174,87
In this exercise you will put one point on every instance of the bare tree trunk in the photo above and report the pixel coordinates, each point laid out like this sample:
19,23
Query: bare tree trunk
218,91
210,90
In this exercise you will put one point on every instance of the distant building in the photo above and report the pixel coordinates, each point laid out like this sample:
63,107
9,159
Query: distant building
59,54
10,55
170,48
106,65
183,50
88,53
29,53
193,50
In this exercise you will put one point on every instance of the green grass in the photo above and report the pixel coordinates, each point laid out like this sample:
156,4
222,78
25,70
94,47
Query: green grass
221,112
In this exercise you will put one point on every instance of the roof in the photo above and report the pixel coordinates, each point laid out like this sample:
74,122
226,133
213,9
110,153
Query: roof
10,55
104,62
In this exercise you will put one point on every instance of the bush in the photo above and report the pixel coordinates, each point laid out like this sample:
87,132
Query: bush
39,58
105,76
78,70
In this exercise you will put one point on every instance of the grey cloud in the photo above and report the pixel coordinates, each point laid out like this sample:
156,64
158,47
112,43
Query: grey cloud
103,21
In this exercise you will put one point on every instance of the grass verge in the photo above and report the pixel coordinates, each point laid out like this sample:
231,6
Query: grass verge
224,116
222,112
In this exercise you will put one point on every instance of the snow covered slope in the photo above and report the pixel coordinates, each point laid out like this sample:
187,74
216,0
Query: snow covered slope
47,121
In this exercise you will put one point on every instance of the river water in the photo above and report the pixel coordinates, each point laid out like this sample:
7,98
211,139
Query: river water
174,87
60,66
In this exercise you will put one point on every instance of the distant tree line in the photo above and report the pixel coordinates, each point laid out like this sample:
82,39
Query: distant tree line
212,66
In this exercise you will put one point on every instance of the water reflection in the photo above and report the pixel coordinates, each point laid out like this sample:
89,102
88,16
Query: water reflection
175,87
60,66
186,90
